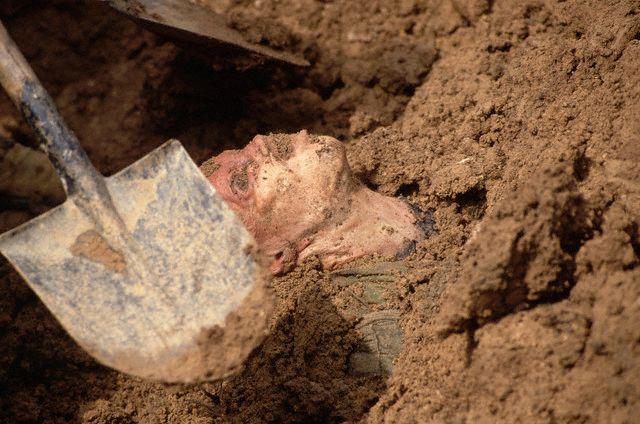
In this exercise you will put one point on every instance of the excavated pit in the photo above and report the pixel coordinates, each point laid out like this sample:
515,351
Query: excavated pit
514,122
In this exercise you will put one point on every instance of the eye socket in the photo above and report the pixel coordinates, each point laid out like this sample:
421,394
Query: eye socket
239,181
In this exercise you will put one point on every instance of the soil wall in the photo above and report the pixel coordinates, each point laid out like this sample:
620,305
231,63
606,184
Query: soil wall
515,122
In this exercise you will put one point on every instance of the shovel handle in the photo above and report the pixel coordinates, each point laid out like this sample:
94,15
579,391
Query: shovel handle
59,143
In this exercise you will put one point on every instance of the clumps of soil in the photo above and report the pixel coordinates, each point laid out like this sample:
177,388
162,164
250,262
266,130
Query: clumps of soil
367,57
258,30
222,351
529,244
209,166
515,122
92,246
515,140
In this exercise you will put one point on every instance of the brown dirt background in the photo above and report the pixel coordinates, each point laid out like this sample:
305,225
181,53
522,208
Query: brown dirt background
516,122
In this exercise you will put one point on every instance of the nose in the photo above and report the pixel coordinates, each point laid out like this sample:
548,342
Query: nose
300,138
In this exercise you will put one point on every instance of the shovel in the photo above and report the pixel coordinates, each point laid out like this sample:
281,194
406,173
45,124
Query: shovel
187,21
148,270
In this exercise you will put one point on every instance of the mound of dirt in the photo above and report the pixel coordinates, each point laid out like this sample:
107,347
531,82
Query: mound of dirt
514,122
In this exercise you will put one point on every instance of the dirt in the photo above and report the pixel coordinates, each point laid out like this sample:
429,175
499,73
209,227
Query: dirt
222,350
514,122
240,181
94,247
279,146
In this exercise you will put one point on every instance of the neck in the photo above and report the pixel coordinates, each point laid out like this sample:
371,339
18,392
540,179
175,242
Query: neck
374,223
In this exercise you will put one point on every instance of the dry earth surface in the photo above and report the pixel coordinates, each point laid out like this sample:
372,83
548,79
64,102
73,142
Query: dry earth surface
515,122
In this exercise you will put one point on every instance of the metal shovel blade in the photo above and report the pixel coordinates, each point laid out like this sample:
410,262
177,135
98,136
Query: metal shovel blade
198,313
194,23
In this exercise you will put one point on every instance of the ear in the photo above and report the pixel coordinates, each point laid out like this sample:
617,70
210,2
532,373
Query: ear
277,266
284,261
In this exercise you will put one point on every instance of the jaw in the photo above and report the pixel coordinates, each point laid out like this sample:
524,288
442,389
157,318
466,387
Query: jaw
376,224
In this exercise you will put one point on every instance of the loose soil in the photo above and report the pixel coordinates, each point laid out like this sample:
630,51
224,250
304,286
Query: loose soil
515,122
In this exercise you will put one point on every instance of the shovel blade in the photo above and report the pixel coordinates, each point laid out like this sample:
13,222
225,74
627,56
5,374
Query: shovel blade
203,310
194,23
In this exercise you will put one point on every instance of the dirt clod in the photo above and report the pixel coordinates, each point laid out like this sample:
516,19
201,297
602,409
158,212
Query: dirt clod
514,122
93,246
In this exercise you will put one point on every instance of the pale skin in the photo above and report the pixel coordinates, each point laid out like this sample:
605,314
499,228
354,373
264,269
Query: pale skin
297,196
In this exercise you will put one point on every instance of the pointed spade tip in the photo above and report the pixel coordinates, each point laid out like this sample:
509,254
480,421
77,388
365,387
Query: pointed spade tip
212,354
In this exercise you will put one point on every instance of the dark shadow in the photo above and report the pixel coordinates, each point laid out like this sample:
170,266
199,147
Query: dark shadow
301,372
218,109
581,166
408,189
473,202
167,91
44,375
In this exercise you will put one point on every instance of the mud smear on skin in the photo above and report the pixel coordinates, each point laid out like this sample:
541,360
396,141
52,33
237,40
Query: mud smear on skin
240,180
521,137
280,146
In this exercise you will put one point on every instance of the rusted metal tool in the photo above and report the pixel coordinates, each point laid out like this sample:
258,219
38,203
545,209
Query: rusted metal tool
193,23
143,268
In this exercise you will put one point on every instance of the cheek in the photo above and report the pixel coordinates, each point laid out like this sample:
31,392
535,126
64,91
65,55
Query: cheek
300,191
324,173
273,183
